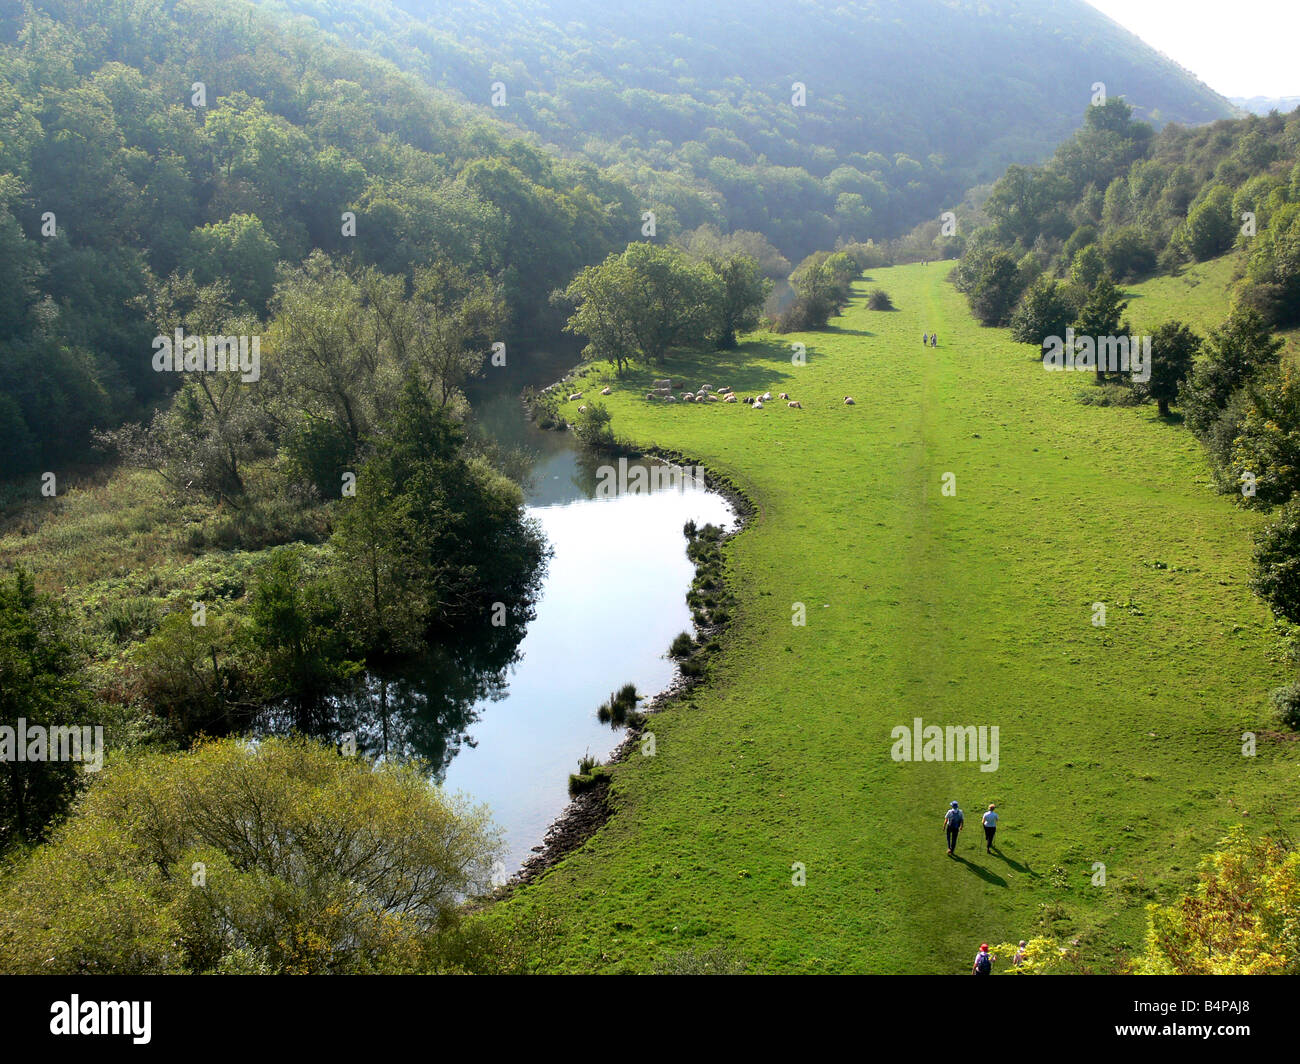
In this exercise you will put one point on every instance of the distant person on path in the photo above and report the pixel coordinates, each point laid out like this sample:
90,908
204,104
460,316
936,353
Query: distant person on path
990,828
934,340
983,961
953,821
1019,958
925,339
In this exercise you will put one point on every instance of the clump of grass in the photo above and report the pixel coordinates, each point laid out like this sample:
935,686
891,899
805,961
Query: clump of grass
620,710
681,646
591,774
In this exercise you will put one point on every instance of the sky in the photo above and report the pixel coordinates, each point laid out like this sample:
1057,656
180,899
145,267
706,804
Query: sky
1237,47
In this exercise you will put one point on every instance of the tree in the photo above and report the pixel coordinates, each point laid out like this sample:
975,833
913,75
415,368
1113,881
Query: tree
41,684
1174,348
744,290
996,289
642,303
1266,445
1277,563
279,856
1101,317
240,252
1241,918
1232,354
1211,226
1046,309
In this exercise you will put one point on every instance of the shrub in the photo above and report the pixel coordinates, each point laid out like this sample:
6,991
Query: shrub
879,300
682,645
1286,701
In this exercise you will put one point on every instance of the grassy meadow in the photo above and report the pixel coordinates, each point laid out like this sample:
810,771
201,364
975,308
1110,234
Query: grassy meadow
1119,745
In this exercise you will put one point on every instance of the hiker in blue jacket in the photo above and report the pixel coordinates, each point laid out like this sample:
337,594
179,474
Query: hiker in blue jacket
953,821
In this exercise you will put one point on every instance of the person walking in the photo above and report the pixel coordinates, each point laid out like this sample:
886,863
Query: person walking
990,828
953,821
925,339
983,961
934,339
1019,958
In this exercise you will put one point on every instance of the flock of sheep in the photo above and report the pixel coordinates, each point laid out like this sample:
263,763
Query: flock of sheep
663,391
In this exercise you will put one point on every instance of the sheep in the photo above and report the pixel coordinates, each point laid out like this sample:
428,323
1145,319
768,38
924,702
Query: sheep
794,404
711,398
582,409
650,397
783,395
766,397
730,399
670,398
663,385
575,396
758,404
606,391
848,401
706,387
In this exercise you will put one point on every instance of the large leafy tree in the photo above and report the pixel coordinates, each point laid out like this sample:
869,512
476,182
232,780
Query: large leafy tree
644,302
279,856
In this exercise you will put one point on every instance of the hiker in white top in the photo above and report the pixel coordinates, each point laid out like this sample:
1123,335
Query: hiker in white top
990,828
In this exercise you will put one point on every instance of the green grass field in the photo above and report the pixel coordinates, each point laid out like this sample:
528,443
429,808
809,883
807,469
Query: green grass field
1119,745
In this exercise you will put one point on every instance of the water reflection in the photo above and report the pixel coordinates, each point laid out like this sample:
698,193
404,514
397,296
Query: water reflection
504,715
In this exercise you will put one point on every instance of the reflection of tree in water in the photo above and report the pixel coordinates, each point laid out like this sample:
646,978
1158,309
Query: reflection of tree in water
419,709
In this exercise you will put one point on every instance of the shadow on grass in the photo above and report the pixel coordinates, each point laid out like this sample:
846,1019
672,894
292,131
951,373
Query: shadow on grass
983,873
1022,868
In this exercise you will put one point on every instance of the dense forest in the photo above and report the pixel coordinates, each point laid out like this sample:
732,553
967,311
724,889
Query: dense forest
214,143
907,104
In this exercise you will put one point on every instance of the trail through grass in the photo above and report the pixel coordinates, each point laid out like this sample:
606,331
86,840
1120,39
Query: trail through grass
1119,745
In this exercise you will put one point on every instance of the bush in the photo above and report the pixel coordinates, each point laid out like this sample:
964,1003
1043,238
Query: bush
353,865
879,300
681,646
1286,701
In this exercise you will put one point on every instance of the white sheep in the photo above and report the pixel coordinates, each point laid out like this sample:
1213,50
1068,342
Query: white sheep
605,391
783,395
766,397
848,401
730,399
575,396
758,404
794,404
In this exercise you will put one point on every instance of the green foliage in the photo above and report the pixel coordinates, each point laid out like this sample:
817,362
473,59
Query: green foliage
41,682
1241,919
352,866
1277,563
1048,308
1211,226
1174,348
647,300
1232,355
1286,703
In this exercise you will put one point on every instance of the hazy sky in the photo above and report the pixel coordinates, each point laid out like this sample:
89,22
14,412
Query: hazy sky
1237,47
